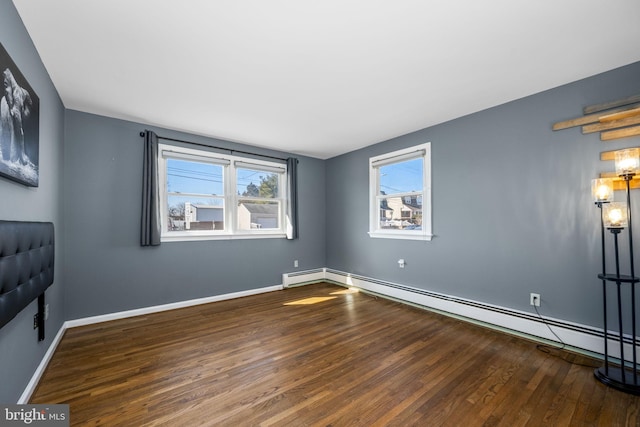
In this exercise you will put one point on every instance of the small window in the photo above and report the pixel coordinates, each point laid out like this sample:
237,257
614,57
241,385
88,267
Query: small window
207,195
399,184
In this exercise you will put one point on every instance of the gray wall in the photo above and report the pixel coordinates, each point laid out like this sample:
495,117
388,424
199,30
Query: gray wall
20,351
512,212
108,271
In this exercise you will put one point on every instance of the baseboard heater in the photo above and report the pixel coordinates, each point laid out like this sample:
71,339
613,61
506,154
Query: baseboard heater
584,338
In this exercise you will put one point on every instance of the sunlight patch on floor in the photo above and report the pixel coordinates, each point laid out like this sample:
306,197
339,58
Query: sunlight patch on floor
345,292
309,301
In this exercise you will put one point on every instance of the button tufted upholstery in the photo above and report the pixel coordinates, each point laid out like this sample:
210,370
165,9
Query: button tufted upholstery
26,264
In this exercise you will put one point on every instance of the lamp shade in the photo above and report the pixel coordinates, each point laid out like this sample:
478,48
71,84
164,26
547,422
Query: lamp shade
615,215
627,161
602,190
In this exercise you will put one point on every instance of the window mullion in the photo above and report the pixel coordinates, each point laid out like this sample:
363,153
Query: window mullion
199,195
164,199
406,193
230,200
282,190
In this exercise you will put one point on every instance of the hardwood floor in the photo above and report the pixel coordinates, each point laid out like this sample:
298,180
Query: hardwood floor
352,360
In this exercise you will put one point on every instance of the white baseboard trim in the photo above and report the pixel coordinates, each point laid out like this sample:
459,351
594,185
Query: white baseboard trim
306,277
31,386
582,338
165,307
33,383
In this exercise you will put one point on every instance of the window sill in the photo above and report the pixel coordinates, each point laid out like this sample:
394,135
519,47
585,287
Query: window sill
239,236
400,235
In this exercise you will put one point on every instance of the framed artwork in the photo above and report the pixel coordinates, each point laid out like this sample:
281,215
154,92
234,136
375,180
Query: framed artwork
19,125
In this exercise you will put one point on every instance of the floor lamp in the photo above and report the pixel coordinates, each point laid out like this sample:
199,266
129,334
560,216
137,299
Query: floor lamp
615,217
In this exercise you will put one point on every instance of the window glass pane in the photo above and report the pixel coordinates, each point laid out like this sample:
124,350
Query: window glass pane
257,183
195,213
399,184
402,177
253,215
200,201
185,176
401,213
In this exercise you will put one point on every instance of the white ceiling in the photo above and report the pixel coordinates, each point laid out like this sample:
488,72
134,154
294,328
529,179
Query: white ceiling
319,78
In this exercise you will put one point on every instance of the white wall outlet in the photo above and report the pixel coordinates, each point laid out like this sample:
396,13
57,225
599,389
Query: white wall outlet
401,263
534,299
295,263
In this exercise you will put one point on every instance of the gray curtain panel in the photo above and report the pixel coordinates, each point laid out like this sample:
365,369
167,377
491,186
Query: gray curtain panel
150,224
292,207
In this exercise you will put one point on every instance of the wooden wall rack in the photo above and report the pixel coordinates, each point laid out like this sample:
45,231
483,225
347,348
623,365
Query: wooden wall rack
614,119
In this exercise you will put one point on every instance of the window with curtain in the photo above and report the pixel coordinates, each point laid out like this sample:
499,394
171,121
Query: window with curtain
400,194
206,195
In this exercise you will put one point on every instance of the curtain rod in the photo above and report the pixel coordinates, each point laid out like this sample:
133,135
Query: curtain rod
218,148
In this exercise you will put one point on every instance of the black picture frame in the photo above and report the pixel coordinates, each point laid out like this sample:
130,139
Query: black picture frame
19,125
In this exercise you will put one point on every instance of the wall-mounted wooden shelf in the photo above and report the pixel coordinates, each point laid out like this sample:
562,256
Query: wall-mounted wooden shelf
614,119
613,124
611,104
618,183
611,155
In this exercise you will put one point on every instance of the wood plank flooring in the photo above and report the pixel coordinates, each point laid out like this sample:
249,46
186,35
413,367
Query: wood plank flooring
351,360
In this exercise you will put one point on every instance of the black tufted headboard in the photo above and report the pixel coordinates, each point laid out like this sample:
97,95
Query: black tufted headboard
26,267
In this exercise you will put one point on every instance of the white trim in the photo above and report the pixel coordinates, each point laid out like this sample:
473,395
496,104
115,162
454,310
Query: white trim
422,151
33,383
260,167
577,336
35,378
305,277
405,235
237,236
402,156
230,165
193,155
580,337
172,306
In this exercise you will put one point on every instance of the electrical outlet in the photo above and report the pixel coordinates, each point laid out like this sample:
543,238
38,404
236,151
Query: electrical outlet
534,299
295,263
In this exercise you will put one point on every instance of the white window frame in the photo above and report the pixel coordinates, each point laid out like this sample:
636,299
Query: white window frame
230,163
268,167
418,151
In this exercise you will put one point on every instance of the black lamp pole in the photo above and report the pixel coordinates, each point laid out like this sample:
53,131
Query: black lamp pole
614,376
604,291
627,179
615,232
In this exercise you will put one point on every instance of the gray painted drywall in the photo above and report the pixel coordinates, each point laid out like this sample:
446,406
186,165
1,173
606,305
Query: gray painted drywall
512,212
109,271
20,351
496,175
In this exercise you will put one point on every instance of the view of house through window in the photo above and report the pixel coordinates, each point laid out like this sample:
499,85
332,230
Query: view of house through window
259,206
400,189
210,195
400,194
195,196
